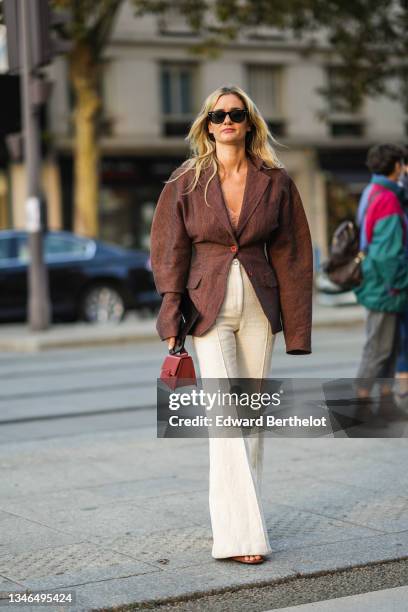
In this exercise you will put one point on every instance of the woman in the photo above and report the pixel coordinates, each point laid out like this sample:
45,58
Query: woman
230,230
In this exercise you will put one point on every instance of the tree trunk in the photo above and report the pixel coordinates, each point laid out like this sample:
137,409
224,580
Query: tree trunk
83,76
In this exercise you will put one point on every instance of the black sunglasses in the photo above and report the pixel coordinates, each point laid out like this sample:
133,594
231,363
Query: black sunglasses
237,115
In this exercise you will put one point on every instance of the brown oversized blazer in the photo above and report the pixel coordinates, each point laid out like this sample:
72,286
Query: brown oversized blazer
192,247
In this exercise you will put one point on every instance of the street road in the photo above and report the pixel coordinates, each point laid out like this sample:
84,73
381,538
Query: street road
72,391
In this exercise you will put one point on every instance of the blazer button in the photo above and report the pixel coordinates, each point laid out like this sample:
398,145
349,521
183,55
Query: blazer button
234,248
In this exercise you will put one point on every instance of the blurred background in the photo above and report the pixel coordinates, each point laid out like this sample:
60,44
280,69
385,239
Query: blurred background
330,78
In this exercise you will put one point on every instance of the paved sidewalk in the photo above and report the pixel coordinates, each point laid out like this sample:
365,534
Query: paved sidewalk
18,337
122,518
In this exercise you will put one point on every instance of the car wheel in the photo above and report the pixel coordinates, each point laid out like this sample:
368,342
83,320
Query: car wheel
102,304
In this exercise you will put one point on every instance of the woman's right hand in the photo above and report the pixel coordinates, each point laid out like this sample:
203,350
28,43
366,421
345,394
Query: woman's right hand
171,342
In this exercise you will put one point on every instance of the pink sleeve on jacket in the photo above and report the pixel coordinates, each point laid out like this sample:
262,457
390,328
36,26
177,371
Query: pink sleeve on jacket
385,204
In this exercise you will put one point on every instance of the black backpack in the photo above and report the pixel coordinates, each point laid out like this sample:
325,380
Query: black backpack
343,267
344,264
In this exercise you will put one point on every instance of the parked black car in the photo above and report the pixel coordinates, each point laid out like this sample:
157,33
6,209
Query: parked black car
88,279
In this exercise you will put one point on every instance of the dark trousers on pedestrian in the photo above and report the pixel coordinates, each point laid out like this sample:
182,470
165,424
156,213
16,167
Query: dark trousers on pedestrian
402,361
380,349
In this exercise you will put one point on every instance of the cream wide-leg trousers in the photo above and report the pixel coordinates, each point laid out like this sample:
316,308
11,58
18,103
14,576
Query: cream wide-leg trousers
238,345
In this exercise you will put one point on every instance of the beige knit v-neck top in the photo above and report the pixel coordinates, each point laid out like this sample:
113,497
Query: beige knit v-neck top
234,216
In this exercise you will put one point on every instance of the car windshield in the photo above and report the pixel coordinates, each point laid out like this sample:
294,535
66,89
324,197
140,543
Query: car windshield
57,247
61,245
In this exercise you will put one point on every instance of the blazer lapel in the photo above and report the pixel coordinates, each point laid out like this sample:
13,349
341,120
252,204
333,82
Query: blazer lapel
215,199
255,185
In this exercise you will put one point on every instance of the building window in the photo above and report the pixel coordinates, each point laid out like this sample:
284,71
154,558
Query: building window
346,128
336,102
265,86
177,94
344,120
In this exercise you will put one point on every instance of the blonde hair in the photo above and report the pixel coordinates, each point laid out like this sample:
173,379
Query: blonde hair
258,142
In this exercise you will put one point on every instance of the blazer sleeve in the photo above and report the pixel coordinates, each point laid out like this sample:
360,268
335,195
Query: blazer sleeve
170,252
291,255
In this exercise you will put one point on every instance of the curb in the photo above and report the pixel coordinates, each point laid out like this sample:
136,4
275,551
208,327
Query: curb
146,592
19,338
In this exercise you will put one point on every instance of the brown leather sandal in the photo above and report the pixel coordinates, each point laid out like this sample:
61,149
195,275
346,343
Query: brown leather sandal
241,559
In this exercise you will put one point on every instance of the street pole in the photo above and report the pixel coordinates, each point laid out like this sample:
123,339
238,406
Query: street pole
39,309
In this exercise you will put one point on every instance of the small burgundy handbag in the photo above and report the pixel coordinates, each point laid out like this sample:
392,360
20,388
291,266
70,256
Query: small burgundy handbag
178,370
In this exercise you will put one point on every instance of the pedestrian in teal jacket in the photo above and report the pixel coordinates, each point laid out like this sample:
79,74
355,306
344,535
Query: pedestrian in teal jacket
385,269
384,289
401,375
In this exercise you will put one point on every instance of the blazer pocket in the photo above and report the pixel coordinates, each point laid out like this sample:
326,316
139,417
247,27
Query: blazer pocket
194,279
